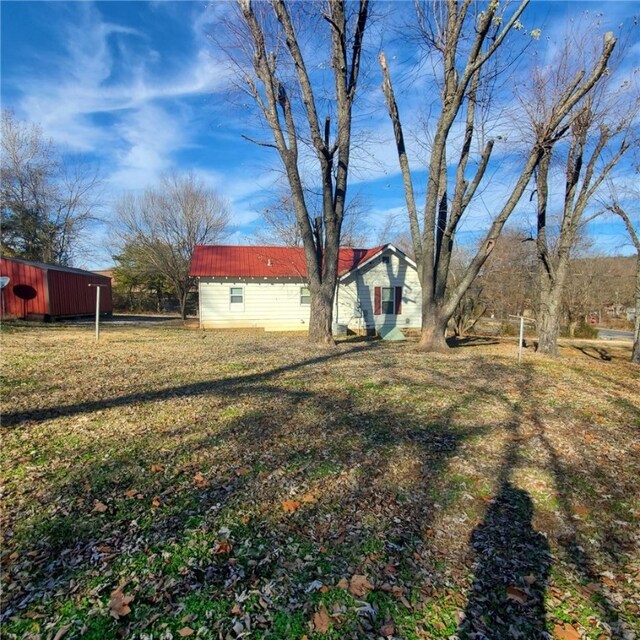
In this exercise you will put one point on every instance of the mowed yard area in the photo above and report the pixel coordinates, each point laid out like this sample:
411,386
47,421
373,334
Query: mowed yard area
167,483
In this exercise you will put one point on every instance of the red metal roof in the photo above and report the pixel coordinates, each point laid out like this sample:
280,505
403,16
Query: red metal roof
215,261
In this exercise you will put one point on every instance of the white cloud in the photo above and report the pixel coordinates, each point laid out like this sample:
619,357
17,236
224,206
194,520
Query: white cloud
144,124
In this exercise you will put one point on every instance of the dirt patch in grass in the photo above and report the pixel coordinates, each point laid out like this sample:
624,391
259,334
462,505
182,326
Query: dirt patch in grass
164,482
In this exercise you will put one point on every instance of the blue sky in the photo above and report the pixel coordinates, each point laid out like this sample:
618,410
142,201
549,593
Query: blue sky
140,89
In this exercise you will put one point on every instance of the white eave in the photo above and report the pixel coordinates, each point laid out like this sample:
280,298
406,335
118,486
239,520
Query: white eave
390,247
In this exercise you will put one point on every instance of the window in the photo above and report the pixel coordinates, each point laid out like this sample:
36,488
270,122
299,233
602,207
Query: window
388,300
236,295
305,295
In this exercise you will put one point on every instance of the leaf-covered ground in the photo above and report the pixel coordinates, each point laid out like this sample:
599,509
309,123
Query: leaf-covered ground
167,483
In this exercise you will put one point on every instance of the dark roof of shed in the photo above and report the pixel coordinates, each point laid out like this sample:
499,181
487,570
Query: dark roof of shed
56,267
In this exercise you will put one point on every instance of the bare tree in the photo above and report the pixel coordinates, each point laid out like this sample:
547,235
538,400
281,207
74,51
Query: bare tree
280,223
166,222
508,276
616,206
465,73
600,133
47,199
277,77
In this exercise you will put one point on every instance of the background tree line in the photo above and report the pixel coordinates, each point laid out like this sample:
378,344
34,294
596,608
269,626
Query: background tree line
569,110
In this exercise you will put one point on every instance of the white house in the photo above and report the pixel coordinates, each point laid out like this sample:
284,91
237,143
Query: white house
266,287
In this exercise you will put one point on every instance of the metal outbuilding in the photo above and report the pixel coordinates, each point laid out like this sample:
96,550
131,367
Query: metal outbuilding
39,291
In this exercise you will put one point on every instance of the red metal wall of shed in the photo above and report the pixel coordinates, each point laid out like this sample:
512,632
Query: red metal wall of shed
21,277
71,295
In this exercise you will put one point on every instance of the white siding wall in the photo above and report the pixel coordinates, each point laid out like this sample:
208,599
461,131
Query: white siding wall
272,305
275,305
355,303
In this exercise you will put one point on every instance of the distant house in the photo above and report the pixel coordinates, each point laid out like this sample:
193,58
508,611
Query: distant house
266,288
39,291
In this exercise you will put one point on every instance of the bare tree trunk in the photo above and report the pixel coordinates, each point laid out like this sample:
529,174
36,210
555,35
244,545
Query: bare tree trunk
635,356
548,316
183,305
434,330
321,318
635,238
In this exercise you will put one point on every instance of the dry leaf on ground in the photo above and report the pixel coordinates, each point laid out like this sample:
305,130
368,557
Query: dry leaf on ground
514,593
119,603
321,620
222,546
359,585
99,507
290,505
565,632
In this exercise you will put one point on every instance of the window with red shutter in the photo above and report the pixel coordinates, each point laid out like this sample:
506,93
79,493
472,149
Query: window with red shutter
377,301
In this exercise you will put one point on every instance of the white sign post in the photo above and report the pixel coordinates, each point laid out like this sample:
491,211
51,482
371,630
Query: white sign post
521,338
97,286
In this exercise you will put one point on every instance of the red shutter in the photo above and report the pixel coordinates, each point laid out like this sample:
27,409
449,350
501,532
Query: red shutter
377,301
398,300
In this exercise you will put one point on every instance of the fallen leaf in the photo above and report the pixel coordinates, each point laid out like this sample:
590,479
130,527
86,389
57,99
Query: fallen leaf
565,632
514,593
530,579
200,480
236,610
581,511
100,507
290,505
185,632
130,493
103,548
309,498
156,468
387,629
343,584
155,502
61,632
321,620
359,585
119,603
243,471
222,546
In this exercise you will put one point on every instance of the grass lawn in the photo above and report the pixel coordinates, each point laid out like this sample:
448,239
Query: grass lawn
168,483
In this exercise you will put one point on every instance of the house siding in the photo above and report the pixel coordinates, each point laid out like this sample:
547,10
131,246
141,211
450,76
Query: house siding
355,304
273,305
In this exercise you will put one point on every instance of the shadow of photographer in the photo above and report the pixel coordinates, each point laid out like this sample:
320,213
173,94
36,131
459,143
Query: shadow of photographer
511,572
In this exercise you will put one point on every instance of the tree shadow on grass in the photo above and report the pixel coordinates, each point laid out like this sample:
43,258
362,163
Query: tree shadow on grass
597,353
342,449
223,386
471,341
